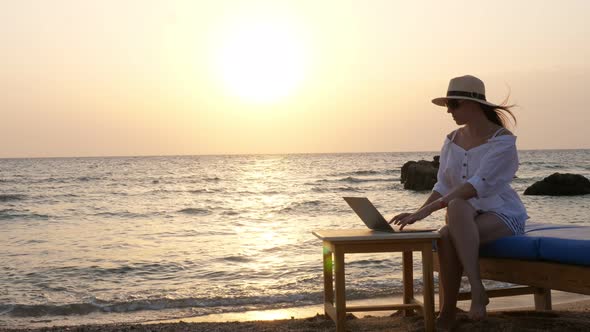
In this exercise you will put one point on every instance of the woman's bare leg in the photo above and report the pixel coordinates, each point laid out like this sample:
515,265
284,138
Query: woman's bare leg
490,227
449,279
465,231
465,237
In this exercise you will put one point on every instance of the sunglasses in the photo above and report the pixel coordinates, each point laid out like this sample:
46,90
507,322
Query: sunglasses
453,103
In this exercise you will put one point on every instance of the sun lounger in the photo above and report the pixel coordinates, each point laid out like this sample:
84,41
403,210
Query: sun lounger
546,257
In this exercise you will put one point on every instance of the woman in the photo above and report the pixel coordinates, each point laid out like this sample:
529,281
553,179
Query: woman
477,163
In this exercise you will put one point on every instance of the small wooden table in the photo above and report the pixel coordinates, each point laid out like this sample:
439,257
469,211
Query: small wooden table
336,243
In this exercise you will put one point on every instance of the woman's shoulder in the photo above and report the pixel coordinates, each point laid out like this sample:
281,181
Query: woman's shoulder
503,139
451,135
502,135
502,131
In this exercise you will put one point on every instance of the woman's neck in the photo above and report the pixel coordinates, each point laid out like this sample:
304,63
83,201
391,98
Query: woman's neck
481,128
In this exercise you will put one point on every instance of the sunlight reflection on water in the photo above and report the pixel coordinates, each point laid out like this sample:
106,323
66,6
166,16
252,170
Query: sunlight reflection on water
211,231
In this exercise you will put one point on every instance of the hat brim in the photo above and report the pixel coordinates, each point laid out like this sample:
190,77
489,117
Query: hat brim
442,101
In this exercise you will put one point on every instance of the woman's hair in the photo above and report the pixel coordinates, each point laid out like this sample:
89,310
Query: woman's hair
500,114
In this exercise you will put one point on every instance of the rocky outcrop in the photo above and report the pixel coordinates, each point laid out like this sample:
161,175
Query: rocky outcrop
420,175
558,184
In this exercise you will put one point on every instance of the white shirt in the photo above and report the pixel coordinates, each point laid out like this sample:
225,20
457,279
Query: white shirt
489,168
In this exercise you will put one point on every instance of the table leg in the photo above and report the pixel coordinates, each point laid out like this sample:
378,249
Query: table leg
340,290
542,299
328,276
408,281
428,287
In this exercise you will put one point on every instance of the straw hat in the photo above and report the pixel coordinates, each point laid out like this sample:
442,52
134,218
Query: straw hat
465,87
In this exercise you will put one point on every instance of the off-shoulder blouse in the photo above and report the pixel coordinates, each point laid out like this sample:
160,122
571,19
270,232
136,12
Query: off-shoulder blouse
489,168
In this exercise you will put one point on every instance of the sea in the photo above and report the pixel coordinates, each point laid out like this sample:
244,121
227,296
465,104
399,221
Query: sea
135,239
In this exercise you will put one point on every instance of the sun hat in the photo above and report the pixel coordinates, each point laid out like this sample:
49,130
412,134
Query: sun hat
465,87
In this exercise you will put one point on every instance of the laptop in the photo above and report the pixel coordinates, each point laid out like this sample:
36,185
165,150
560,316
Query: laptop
373,218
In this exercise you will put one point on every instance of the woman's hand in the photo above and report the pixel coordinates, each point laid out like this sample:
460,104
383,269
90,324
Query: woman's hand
399,217
404,219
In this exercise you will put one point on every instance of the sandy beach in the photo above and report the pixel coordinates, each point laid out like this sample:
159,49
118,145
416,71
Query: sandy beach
568,316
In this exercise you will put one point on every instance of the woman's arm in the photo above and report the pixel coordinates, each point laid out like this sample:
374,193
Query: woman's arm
435,202
464,191
433,197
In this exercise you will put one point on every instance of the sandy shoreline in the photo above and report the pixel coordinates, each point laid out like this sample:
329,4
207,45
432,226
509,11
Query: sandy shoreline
570,316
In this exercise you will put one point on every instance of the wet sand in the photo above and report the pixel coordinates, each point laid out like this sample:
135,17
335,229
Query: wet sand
570,316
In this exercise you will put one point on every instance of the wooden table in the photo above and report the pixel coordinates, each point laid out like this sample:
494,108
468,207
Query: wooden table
336,243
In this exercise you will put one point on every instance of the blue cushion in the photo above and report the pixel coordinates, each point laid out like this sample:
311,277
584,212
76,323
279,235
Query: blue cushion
568,244
517,247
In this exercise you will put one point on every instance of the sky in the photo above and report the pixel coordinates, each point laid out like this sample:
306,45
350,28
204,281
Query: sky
127,78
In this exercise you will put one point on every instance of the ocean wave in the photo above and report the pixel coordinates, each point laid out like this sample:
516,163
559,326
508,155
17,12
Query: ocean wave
230,212
338,189
302,206
229,304
88,178
555,166
163,191
236,259
8,214
380,263
205,305
348,179
543,165
72,195
143,269
121,214
196,211
147,269
351,179
550,163
51,180
547,167
212,179
526,180
361,172
11,197
203,191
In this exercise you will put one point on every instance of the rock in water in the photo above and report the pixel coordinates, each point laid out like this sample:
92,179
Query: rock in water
420,175
558,184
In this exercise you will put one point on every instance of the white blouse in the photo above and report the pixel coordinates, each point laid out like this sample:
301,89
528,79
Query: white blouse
489,168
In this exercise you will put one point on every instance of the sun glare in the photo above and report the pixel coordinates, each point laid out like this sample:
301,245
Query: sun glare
262,60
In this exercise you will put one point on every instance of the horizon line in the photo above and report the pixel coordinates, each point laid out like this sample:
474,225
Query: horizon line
255,154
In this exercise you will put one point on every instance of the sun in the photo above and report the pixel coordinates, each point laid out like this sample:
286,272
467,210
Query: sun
261,60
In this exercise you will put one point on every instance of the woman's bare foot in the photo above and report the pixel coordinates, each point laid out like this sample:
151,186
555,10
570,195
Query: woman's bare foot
479,301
